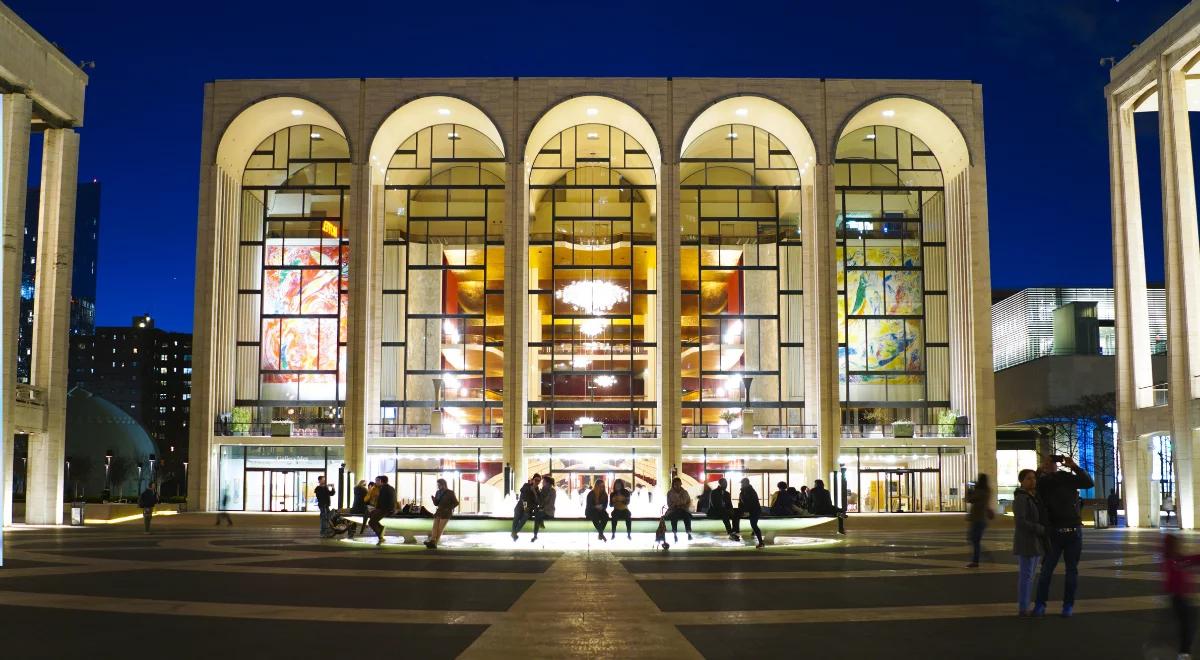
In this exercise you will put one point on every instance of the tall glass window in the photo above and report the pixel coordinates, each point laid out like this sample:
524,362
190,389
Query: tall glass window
592,281
443,289
292,275
893,350
742,326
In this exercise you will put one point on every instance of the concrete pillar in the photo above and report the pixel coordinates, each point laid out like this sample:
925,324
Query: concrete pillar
670,383
15,116
1182,247
52,323
365,289
516,305
821,400
1134,375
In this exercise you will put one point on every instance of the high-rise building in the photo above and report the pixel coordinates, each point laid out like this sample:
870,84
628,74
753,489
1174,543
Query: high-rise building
83,272
479,279
145,371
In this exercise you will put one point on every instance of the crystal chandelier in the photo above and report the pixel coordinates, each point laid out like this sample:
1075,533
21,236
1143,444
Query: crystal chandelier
593,326
605,381
592,296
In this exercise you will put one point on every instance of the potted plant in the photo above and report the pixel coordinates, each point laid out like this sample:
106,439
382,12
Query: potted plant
729,417
948,423
902,428
536,430
239,421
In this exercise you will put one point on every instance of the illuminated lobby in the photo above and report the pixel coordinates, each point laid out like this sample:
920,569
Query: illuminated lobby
482,279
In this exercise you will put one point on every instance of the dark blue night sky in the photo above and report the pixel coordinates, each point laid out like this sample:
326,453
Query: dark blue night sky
1038,61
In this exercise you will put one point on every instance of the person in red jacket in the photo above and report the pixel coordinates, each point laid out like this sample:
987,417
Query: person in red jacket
1178,584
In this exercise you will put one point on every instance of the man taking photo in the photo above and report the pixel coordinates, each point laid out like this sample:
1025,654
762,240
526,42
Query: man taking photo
1058,491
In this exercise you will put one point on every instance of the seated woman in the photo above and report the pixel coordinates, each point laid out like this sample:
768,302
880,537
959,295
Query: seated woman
620,503
596,507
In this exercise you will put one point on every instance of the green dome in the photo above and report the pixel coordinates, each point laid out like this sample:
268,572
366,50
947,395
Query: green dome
95,426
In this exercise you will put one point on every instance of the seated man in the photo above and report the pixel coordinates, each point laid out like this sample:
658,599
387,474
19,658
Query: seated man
782,502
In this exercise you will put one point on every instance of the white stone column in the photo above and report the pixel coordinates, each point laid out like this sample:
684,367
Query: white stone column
821,400
15,116
365,296
670,383
517,369
52,323
1182,247
1134,372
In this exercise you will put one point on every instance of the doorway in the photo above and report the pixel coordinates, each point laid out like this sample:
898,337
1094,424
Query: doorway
281,490
901,490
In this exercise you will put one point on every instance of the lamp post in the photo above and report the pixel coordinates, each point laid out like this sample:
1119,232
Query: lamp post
68,474
185,478
152,473
108,456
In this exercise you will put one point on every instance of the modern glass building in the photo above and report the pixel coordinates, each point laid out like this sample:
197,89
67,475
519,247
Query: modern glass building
479,279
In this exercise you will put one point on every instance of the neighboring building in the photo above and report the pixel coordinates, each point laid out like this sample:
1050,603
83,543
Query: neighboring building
83,272
638,278
1157,414
1055,348
42,90
144,371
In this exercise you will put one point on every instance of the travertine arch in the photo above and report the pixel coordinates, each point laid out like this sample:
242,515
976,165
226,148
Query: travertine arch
594,109
923,119
422,113
263,118
767,114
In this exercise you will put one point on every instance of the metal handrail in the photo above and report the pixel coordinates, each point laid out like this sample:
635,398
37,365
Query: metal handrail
397,430
758,431
950,430
570,430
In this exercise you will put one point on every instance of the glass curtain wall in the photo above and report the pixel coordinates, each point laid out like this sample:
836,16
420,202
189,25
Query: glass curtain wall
742,326
592,282
893,350
443,290
293,260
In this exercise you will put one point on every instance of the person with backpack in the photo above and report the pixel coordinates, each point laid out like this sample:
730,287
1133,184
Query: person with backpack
445,502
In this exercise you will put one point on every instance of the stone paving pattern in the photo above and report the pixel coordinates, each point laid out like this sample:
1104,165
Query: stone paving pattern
192,592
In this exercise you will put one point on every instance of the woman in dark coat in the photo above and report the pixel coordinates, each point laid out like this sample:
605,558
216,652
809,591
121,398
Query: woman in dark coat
980,511
820,502
1028,536
596,507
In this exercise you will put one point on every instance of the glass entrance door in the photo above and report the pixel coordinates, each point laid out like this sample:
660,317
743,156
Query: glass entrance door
281,490
900,491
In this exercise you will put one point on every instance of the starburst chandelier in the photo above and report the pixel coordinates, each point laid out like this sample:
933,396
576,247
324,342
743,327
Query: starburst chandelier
605,380
593,297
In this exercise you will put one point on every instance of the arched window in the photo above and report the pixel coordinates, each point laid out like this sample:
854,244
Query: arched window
592,279
741,283
893,349
292,274
443,283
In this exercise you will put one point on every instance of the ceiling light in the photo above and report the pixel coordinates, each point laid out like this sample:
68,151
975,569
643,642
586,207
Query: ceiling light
732,136
315,136
741,112
592,112
445,112
453,135
297,113
593,136
870,136
593,326
581,361
888,113
605,380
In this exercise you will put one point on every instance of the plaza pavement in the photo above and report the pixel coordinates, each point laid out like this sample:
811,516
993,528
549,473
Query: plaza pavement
257,590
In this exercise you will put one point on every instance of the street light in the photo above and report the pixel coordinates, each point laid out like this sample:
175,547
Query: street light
108,456
68,475
152,459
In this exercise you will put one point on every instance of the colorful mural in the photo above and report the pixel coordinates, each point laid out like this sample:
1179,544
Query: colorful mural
304,281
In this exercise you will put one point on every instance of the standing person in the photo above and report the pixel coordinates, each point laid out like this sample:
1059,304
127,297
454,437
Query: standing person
820,502
1028,536
222,512
679,504
1114,503
620,504
527,503
546,500
596,507
782,502
720,505
980,511
1178,586
748,505
1059,493
445,502
385,505
324,495
146,501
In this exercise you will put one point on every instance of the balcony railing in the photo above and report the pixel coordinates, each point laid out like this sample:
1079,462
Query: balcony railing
1158,394
899,430
605,430
289,429
391,430
758,431
30,395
